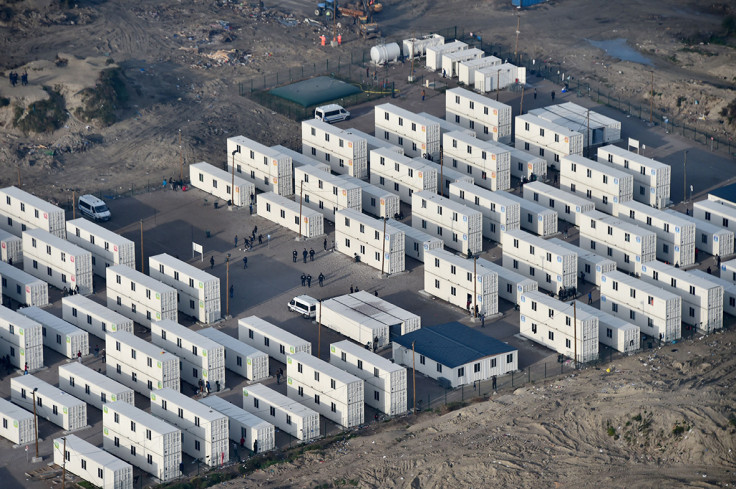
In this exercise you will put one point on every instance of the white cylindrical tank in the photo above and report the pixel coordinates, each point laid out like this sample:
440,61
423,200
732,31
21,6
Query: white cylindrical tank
385,53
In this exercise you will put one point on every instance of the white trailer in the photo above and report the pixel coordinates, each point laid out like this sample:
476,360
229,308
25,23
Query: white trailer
22,211
142,439
434,53
535,218
511,285
52,404
458,281
488,162
569,207
709,238
651,177
17,423
728,270
290,417
554,267
401,174
370,240
270,339
326,193
269,170
91,463
451,61
613,331
604,185
675,236
656,311
384,382
240,358
376,200
22,340
374,143
332,392
138,296
702,299
198,292
345,152
591,266
204,431
286,212
596,128
92,317
58,335
417,135
447,126
545,139
466,69
554,324
500,213
416,241
57,261
525,165
627,244
201,358
107,248
220,183
298,159
23,287
92,387
417,47
716,213
497,77
490,119
729,290
447,175
459,226
11,248
139,364
244,425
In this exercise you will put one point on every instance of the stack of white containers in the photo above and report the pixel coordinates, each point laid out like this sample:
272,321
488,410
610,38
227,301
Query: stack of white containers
417,47
92,317
525,165
435,52
651,177
270,339
91,386
93,464
606,186
285,212
373,142
285,414
11,248
535,218
416,241
466,69
591,266
418,135
553,266
326,193
140,365
447,126
500,213
371,240
729,290
599,128
21,339
240,358
491,120
298,159
346,153
25,211
23,287
511,285
716,212
107,248
375,200
489,163
401,174
52,403
569,207
219,183
459,226
546,139
451,278
613,331
268,169
17,423
709,238
500,76
59,335
451,61
138,296
57,261
244,425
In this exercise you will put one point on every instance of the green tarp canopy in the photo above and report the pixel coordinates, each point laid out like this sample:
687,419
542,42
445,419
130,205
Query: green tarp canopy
315,91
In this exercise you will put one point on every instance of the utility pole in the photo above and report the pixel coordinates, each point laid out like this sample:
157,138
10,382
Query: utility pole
684,179
498,83
521,103
319,332
414,376
63,466
74,208
35,419
475,286
227,285
575,330
232,184
651,102
587,136
442,176
18,176
413,54
143,260
516,47
383,248
301,190
181,160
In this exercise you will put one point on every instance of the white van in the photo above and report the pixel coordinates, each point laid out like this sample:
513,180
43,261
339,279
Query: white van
331,113
94,208
304,305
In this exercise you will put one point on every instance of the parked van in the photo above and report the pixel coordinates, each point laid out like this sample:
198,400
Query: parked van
304,305
331,113
94,208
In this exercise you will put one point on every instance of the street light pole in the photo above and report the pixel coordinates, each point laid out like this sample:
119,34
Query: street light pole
63,466
232,185
383,248
143,260
319,332
301,195
575,330
35,419
684,179
414,376
227,285
475,285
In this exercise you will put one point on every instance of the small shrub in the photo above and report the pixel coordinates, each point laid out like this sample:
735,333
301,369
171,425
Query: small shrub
87,485
637,417
611,431
42,116
678,430
4,101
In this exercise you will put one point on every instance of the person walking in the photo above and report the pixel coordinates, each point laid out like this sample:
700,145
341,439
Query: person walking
250,209
351,289
494,382
304,279
232,290
201,385
304,255
25,369
236,241
245,262
260,239
212,262
311,254
79,356
97,351
553,94
467,305
255,446
718,259
482,320
208,387
294,255
255,231
278,377
24,79
590,297
321,279
423,95
325,244
309,281
535,94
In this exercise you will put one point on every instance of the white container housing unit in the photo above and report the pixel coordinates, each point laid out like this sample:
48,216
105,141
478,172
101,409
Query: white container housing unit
496,77
22,287
11,248
416,241
716,213
201,358
417,135
326,193
651,177
591,266
269,170
52,403
434,53
345,152
569,207
417,46
93,464
298,159
285,212
107,248
270,339
17,423
554,324
627,244
451,61
447,175
374,143
656,311
488,162
57,261
511,285
58,335
500,213
240,358
459,226
139,364
22,211
533,217
142,439
545,139
596,128
244,425
466,69
401,174
198,292
455,280
702,299
613,331
376,200
288,415
371,240
526,165
728,270
21,339
709,238
91,386
447,126
204,431
490,119
92,317
729,290
384,381
606,186
218,182
138,296
553,266
675,236
325,388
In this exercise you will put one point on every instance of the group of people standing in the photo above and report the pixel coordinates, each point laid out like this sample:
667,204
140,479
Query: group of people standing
13,76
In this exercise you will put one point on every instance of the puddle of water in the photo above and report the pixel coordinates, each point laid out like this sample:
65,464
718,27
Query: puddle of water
617,48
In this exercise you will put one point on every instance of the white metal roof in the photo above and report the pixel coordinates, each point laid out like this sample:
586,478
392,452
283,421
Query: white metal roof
464,52
704,226
92,452
187,334
98,231
672,218
271,330
329,128
507,273
297,157
18,275
82,371
406,114
445,202
618,223
256,146
142,279
638,284
413,233
219,173
499,197
545,124
369,356
572,110
712,205
31,200
444,47
557,305
542,243
56,242
418,164
287,203
585,254
236,413
471,63
371,140
630,155
463,263
183,267
446,125
605,168
370,308
13,411
230,342
325,177
48,319
369,187
87,304
607,319
324,367
523,155
272,397
727,285
529,204
680,274
558,194
140,416
47,390
476,97
4,236
188,404
143,346
367,220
